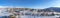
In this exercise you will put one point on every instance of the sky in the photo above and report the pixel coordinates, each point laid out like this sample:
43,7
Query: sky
36,4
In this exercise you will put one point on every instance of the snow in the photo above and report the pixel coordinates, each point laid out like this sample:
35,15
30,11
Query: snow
4,13
27,16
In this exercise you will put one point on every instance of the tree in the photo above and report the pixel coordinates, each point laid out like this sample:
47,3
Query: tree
53,14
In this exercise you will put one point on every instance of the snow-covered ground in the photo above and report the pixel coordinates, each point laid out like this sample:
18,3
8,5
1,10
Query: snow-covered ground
27,16
3,13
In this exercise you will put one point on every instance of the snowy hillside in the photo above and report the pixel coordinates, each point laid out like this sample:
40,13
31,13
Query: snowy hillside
4,13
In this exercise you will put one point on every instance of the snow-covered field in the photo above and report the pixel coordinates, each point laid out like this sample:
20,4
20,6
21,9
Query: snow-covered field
3,13
26,16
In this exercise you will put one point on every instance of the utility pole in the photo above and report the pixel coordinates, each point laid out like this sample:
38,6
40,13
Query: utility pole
19,13
12,13
34,13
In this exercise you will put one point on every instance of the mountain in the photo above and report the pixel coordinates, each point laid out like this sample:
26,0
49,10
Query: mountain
56,9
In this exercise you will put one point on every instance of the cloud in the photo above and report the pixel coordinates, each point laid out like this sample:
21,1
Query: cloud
19,7
3,6
11,7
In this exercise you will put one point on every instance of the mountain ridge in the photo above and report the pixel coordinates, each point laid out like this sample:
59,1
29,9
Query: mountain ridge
56,9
